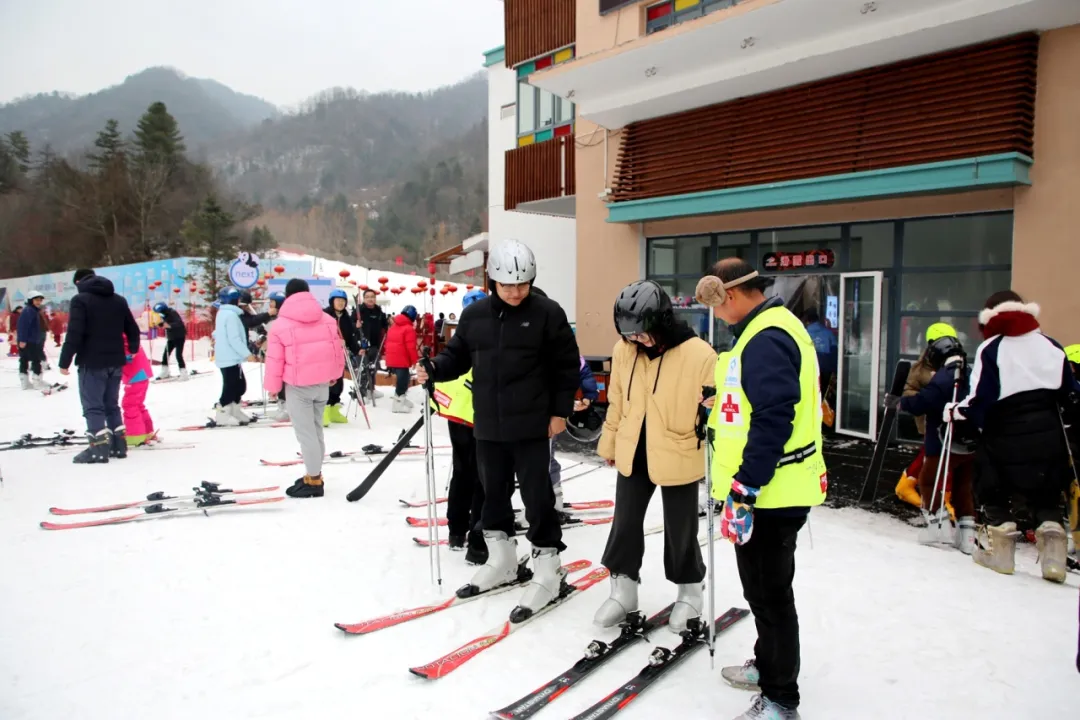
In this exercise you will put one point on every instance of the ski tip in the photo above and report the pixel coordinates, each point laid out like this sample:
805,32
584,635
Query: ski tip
423,673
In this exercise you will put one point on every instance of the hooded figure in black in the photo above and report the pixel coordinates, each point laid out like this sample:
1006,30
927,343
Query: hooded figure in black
175,338
524,359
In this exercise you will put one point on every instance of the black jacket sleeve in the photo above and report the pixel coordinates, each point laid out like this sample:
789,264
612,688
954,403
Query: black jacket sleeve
562,362
770,380
73,341
253,321
456,358
348,332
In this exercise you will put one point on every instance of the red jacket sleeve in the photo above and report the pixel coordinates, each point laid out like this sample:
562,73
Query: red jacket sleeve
410,345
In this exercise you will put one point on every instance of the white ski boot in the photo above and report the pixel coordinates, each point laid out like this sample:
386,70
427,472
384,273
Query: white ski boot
39,383
223,417
408,403
938,530
688,604
165,373
995,547
965,535
24,382
183,376
547,580
1052,543
282,415
765,709
501,566
743,677
623,601
236,412
398,405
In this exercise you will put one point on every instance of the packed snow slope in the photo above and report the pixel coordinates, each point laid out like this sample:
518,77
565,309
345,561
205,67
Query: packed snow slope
231,615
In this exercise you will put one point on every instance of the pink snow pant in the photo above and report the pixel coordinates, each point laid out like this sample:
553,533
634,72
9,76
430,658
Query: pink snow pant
136,417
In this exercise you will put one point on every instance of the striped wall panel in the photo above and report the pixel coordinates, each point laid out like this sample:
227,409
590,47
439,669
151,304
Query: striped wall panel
541,171
963,103
538,27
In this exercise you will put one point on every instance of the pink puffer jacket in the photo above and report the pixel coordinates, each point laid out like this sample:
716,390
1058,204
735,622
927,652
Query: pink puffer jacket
304,345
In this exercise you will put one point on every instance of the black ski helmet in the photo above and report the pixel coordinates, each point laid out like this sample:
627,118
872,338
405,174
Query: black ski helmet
942,349
642,307
245,297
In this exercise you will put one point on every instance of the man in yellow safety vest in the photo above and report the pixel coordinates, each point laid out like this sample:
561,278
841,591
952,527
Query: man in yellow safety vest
767,469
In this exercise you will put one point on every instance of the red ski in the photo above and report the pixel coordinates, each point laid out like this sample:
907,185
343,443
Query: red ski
419,504
160,496
455,659
151,512
571,522
403,616
211,425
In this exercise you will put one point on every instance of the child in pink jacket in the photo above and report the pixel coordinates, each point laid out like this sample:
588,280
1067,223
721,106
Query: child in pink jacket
136,380
305,351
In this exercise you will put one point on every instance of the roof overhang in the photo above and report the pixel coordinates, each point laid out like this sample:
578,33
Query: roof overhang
494,56
763,45
565,207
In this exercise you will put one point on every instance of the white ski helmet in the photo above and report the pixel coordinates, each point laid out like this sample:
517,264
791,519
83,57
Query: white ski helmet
34,296
511,262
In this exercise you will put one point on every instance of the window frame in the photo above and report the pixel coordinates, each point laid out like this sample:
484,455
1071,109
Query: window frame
557,108
675,17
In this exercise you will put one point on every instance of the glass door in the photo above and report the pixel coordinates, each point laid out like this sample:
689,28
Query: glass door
860,347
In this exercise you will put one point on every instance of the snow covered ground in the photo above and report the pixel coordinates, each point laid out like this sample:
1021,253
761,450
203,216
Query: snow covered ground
231,615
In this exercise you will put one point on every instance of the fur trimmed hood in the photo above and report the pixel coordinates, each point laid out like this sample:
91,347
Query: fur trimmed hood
1009,318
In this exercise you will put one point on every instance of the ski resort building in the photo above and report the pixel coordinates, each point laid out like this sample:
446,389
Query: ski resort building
890,162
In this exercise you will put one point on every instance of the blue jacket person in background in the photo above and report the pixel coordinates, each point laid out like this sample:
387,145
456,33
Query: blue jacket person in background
31,334
230,352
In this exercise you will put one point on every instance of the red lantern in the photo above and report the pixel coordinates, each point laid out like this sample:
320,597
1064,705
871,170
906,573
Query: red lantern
432,292
383,288
469,287
416,291
344,273
421,284
353,283
176,290
431,269
202,292
443,291
279,269
363,287
260,283
383,280
269,276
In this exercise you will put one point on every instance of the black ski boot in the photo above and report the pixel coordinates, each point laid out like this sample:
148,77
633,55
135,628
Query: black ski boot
477,552
118,447
456,542
308,488
98,449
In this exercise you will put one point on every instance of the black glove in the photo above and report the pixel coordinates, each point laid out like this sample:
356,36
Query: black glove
429,368
891,401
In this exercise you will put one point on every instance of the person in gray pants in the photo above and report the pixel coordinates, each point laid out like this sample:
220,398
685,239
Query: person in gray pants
304,353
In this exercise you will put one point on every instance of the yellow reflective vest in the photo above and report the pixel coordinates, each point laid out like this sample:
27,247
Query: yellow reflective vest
800,479
453,400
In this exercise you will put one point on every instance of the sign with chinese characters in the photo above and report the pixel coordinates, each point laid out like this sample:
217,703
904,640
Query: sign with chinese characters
802,260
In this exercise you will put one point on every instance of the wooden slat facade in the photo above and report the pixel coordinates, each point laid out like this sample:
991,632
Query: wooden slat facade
963,103
539,172
538,27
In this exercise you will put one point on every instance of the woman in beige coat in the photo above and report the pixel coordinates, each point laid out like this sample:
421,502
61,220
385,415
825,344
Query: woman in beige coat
657,371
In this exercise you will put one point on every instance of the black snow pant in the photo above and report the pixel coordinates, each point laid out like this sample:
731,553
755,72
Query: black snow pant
99,393
174,344
1028,497
30,357
767,570
335,392
626,541
233,385
499,462
465,501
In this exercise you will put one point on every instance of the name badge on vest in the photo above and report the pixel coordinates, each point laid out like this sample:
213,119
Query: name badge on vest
442,399
732,378
730,412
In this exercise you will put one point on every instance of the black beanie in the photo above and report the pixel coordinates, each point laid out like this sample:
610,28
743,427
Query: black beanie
296,285
81,274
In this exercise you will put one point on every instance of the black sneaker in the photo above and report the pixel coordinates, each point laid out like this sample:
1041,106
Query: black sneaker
309,487
456,542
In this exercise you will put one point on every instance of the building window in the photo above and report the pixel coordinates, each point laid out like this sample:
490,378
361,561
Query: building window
541,115
672,12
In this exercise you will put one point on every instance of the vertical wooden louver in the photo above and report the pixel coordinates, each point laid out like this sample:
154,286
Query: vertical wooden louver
540,172
538,27
958,104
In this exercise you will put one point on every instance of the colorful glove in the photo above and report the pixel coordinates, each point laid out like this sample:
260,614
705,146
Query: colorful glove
737,519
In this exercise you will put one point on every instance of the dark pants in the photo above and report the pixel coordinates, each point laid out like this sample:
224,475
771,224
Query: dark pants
1028,499
30,357
465,501
767,569
402,378
335,392
233,385
961,471
174,344
99,393
626,542
528,459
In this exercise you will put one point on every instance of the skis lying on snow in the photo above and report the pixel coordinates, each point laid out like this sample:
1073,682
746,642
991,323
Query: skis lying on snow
176,378
352,456
373,477
568,521
660,662
201,505
591,505
456,658
62,438
634,629
206,490
212,425
55,387
380,623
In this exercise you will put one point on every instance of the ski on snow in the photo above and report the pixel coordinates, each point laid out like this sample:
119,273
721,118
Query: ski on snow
661,660
403,616
212,425
351,456
369,482
206,490
158,510
568,522
635,628
54,388
456,658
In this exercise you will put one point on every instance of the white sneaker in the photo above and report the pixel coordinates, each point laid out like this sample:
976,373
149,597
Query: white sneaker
547,579
623,601
765,709
223,417
743,677
688,604
965,535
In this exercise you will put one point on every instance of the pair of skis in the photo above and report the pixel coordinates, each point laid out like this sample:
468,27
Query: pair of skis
206,497
212,425
354,456
54,388
62,439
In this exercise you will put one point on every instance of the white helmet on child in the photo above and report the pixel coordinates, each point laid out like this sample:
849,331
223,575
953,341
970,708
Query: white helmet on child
30,297
511,262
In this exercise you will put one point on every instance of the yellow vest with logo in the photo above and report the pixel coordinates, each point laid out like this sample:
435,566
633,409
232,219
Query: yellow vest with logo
800,479
453,400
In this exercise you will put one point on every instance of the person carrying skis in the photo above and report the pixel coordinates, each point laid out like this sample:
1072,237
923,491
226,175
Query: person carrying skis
303,352
31,332
945,356
175,338
99,323
767,469
453,400
524,359
373,324
138,425
230,352
401,354
657,371
1019,380
338,310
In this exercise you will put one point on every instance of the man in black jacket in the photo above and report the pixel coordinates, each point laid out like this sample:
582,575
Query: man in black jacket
101,337
373,324
175,338
524,359
338,310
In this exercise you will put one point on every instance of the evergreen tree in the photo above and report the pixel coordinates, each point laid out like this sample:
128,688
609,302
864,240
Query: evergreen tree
158,138
19,148
209,234
109,144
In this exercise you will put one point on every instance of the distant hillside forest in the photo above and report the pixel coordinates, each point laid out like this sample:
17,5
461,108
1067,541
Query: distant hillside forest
353,175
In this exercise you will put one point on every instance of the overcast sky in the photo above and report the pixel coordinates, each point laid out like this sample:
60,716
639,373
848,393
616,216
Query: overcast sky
281,50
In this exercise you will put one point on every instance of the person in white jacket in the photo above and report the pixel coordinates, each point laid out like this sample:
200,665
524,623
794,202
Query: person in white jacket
230,352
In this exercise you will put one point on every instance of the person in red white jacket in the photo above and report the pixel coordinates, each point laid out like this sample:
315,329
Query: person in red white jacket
401,354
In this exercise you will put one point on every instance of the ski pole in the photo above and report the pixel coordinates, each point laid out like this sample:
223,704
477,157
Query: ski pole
434,553
946,454
710,521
